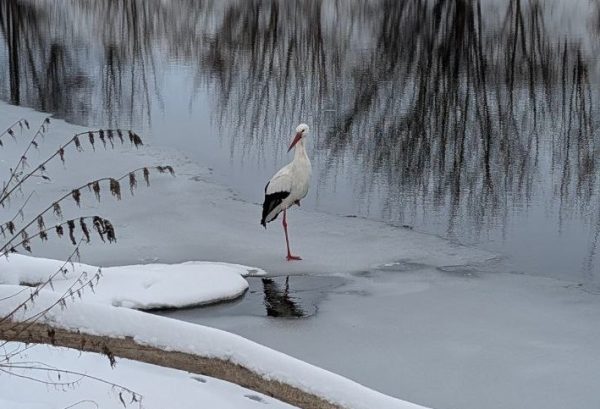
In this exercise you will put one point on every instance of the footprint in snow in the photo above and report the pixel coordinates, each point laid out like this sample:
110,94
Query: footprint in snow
256,398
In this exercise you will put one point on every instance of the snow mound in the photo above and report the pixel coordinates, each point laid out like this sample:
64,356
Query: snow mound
148,286
172,335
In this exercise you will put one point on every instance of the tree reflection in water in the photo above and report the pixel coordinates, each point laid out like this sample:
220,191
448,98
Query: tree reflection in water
464,108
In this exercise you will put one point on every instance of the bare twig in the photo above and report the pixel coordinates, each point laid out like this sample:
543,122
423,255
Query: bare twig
7,191
92,185
13,174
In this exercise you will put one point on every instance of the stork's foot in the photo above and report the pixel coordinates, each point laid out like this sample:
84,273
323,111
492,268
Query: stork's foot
293,258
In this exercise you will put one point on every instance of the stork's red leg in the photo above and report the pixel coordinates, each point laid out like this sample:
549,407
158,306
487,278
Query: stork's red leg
287,240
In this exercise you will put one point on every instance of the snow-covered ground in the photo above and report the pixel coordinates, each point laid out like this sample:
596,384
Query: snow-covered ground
147,286
438,325
174,335
159,387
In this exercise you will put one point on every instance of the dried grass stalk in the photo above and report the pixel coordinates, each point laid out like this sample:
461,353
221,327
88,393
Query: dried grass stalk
91,138
76,196
84,229
40,223
146,176
57,210
110,231
99,226
25,241
135,139
96,189
77,143
71,224
110,135
132,182
165,169
101,136
115,188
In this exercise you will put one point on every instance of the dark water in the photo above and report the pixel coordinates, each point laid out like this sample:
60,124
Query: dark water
475,120
290,297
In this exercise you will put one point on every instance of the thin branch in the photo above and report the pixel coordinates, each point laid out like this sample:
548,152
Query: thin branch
82,402
3,249
5,194
19,122
137,397
10,371
46,282
70,292
20,211
13,173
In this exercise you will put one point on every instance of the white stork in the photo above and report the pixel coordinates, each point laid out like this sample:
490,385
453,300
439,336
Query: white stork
288,186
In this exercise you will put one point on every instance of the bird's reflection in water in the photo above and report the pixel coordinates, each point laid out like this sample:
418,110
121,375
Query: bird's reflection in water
278,301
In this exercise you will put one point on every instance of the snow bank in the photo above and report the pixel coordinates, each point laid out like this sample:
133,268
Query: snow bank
168,334
138,286
160,387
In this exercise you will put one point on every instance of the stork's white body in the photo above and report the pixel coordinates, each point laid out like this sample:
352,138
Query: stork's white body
293,178
289,185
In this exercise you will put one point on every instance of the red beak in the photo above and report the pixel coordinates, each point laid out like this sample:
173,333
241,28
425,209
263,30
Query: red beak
295,141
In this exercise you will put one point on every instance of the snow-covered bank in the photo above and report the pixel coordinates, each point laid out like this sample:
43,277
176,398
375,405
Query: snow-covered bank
138,286
192,218
173,335
160,387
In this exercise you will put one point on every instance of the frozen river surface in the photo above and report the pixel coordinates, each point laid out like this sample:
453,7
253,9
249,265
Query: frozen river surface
409,314
407,131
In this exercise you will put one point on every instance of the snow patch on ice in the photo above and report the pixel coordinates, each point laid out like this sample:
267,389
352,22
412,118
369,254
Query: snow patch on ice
148,286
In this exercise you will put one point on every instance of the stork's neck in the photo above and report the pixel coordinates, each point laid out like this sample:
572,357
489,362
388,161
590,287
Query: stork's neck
300,151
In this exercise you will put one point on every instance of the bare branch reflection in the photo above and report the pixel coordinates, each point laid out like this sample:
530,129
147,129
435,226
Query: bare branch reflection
464,108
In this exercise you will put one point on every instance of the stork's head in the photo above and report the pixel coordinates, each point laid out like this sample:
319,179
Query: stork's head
301,133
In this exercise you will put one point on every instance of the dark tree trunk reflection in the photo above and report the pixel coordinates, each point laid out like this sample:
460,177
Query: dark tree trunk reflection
468,108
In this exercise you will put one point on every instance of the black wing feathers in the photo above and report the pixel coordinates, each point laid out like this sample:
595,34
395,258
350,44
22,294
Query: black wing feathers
272,200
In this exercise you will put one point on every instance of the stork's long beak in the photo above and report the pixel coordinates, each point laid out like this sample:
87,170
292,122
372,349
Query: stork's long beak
295,141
